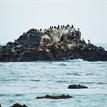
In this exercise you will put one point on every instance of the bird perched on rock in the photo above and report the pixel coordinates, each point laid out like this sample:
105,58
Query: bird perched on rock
72,26
54,27
58,27
40,30
89,42
78,34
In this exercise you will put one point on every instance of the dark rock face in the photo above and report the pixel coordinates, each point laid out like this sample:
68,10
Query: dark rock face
91,53
34,55
55,97
18,105
77,87
51,44
30,39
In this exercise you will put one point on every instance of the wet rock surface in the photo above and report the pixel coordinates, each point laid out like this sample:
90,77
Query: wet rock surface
77,86
55,97
18,105
54,43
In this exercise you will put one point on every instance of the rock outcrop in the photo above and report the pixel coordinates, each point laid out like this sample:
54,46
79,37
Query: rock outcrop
54,43
55,97
18,105
77,86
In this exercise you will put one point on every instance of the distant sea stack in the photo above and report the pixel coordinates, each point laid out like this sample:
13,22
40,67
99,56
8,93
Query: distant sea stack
56,43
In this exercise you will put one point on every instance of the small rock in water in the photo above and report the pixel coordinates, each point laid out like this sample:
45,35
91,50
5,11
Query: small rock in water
76,86
55,97
19,105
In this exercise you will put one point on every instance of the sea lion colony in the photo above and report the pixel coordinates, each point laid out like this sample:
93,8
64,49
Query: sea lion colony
55,43
64,37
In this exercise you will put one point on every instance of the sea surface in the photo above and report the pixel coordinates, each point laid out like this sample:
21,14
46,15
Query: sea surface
22,82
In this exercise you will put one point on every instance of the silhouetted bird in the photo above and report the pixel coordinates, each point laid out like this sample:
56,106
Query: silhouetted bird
63,26
68,25
89,42
54,27
40,30
72,26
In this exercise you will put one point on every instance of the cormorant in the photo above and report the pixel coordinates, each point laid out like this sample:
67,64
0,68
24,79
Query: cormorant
40,30
68,25
78,33
72,26
89,42
63,26
54,27
58,27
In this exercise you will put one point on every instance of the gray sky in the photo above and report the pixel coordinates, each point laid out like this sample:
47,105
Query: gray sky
18,16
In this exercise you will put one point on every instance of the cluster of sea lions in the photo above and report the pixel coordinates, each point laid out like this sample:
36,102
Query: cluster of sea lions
60,36
63,36
54,43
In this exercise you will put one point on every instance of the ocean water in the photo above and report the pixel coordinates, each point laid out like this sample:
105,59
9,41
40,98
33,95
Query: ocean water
22,82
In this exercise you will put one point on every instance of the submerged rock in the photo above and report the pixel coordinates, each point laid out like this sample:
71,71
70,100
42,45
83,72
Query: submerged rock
55,97
19,105
77,86
55,43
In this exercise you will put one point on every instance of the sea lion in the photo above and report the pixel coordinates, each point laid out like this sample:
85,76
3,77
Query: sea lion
45,39
19,46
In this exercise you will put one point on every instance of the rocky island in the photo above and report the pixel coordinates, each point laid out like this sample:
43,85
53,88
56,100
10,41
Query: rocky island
53,44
